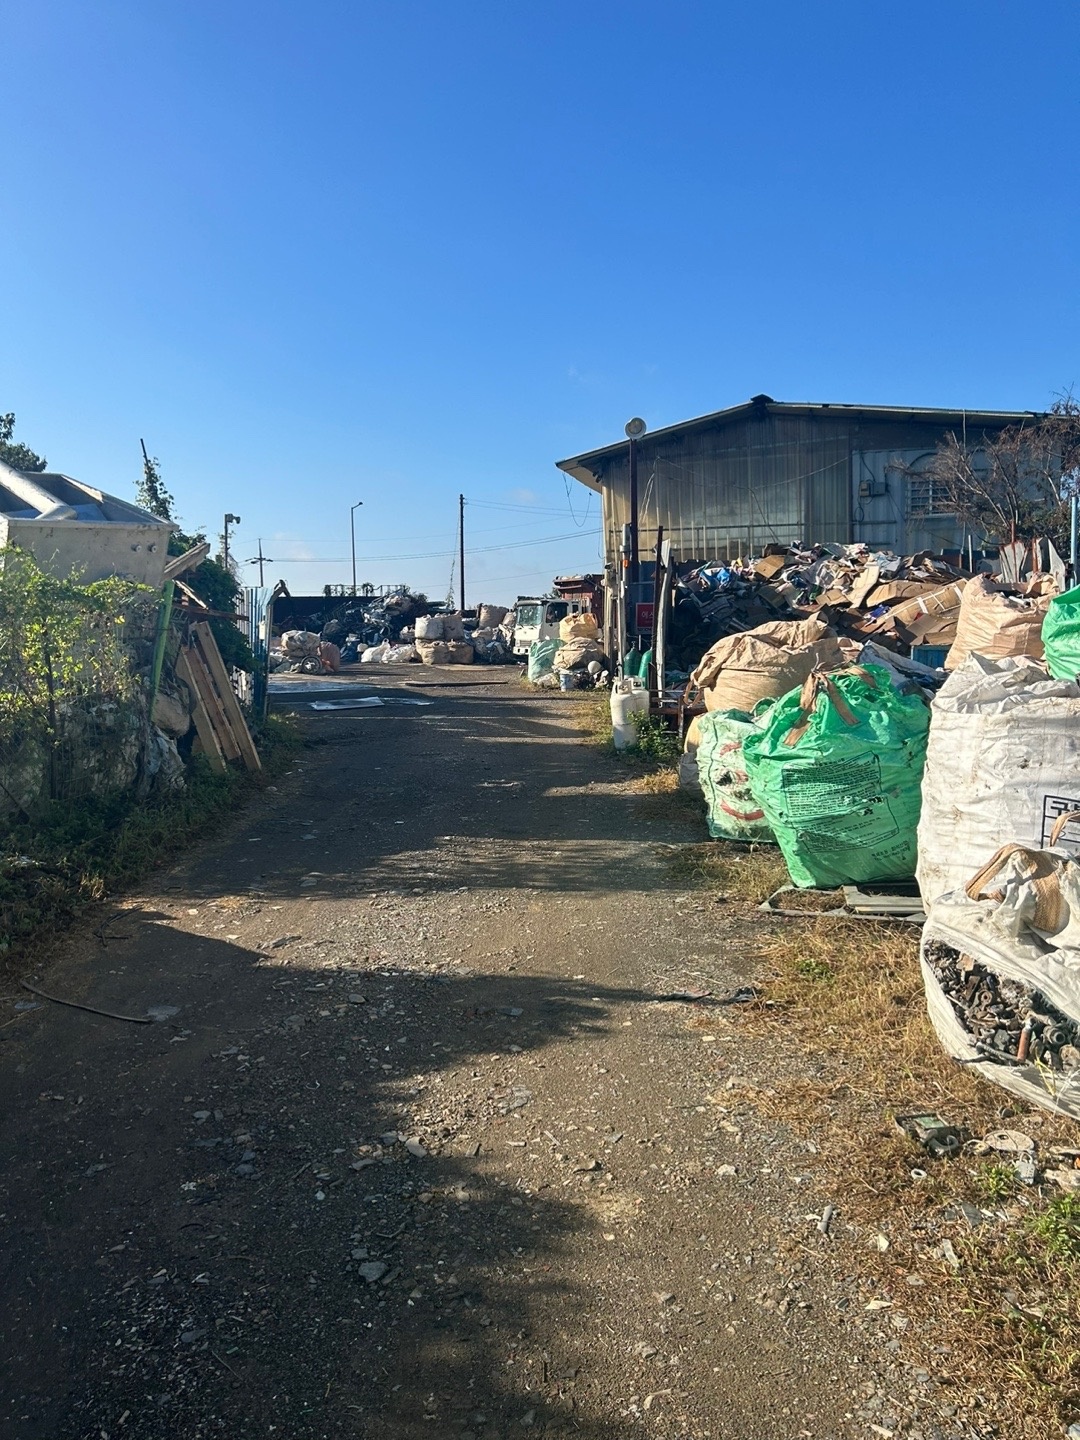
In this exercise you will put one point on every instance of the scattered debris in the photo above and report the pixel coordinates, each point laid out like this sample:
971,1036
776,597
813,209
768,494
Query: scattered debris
939,1139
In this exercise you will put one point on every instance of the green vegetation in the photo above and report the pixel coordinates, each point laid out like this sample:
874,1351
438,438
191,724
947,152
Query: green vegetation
996,1183
73,854
656,743
815,970
14,453
69,681
212,581
1056,1230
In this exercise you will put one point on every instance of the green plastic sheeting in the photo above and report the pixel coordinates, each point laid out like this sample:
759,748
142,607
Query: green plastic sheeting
541,658
734,814
1061,635
837,769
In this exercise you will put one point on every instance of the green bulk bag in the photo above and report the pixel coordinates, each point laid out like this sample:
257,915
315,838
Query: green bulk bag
837,769
733,813
541,659
1061,635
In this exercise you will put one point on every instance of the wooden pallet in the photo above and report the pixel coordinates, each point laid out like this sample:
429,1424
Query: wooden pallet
219,721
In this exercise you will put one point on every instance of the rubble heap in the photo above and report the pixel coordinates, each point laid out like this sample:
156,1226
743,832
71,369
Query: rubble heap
897,601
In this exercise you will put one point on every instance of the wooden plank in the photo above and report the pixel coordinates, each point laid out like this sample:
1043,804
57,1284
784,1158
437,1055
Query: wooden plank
231,705
219,720
179,564
190,596
203,727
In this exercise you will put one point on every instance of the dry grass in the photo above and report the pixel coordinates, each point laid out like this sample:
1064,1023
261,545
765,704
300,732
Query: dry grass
849,995
593,716
662,782
738,872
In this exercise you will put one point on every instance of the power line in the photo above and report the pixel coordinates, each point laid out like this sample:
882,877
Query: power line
427,554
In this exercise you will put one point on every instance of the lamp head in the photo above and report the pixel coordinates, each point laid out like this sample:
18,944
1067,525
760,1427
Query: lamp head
635,428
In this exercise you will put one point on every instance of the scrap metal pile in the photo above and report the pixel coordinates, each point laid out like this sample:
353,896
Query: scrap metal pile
397,627
364,620
898,601
1009,1023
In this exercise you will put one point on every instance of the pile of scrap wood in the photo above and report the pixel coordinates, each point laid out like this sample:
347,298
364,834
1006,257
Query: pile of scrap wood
220,726
219,721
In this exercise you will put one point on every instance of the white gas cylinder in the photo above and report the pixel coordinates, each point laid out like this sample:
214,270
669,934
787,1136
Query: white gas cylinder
628,697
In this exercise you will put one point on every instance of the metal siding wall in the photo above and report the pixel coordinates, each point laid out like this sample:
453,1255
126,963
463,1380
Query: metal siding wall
758,479
725,492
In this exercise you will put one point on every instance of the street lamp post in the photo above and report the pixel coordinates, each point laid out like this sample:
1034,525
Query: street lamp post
634,429
352,531
229,520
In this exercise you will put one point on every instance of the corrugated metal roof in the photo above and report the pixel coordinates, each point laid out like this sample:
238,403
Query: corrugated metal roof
582,468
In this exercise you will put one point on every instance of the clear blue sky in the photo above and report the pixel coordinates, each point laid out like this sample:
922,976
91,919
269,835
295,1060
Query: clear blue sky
325,252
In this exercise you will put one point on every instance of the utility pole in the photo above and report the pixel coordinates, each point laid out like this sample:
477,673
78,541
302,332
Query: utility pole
262,560
461,549
352,531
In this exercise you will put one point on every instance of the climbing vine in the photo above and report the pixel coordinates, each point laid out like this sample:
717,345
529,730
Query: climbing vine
72,695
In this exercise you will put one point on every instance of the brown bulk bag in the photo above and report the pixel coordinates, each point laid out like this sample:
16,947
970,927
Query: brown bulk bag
999,626
582,626
760,664
433,652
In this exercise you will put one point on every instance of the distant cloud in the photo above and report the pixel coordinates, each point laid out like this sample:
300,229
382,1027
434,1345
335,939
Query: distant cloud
524,497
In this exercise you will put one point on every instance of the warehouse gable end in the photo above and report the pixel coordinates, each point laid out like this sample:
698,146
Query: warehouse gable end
772,472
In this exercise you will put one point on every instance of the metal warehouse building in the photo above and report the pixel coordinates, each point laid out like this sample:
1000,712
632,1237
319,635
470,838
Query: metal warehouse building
767,472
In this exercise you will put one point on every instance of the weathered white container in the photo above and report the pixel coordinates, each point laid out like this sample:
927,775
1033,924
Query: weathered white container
71,528
629,697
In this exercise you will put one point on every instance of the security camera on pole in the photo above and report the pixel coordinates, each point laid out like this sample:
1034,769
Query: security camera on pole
229,520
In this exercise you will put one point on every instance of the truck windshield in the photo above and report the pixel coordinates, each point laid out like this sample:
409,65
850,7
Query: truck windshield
528,615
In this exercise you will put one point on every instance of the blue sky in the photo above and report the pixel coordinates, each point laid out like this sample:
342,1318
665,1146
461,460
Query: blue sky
392,252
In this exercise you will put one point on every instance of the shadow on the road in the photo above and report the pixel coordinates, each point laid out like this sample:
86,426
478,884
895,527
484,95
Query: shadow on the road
192,1205
468,795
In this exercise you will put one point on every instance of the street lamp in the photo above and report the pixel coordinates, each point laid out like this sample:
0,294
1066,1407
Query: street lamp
633,429
229,520
352,531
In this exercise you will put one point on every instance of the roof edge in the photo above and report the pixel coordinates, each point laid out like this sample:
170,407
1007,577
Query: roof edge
578,466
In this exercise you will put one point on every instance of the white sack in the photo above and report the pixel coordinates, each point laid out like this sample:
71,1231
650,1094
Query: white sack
429,627
1002,763
972,928
300,644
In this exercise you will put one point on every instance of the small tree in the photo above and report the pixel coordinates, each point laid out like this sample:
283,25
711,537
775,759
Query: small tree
151,492
216,586
1016,485
14,453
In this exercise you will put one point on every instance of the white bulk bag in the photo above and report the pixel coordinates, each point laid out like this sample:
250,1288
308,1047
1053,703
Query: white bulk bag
1018,918
1002,763
429,627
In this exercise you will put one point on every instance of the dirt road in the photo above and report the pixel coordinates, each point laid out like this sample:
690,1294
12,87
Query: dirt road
414,1148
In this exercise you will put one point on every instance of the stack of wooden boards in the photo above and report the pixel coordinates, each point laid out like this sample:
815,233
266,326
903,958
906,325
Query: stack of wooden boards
219,721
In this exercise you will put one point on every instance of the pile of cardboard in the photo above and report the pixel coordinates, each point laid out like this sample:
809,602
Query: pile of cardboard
897,601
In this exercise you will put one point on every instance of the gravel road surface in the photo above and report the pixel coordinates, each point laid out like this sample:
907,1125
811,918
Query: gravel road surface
414,1146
